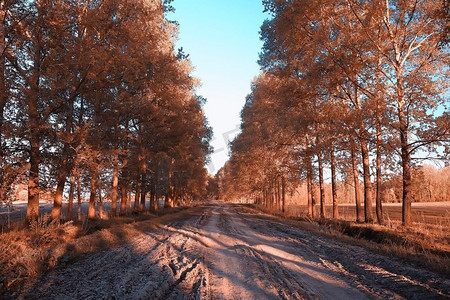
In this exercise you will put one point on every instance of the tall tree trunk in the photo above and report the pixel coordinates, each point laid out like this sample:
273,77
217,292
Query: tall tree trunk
137,194
34,123
115,185
309,186
124,191
357,186
33,183
168,201
283,194
278,189
405,150
275,194
152,193
3,99
365,157
64,168
379,90
309,196
368,210
333,185
71,194
79,197
93,195
57,203
272,195
100,203
379,208
321,187
124,197
3,90
263,196
406,168
266,197
129,199
143,184
124,187
171,202
80,121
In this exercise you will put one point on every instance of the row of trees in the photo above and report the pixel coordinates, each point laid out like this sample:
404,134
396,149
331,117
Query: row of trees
347,85
430,184
94,92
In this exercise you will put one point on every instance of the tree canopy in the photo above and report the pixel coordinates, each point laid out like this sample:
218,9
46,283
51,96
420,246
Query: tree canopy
343,83
95,92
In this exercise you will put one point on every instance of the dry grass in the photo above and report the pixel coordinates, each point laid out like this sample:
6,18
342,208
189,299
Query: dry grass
28,252
426,245
437,213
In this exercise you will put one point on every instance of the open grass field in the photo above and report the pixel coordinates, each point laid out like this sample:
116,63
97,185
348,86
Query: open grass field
430,213
17,212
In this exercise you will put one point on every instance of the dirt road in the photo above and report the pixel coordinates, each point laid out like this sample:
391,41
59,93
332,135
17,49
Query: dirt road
223,251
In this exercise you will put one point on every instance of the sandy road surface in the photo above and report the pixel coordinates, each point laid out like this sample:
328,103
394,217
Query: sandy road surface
222,251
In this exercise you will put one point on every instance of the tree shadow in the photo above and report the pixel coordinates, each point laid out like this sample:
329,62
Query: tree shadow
276,260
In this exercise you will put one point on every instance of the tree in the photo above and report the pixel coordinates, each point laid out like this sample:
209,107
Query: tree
97,93
415,70
347,73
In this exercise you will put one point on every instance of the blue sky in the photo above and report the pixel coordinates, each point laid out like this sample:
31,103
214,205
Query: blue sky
222,39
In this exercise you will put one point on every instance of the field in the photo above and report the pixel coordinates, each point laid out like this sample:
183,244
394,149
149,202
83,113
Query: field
430,213
16,213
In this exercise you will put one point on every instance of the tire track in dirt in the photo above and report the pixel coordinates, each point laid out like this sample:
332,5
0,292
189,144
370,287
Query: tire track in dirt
223,251
383,277
293,282
269,272
154,265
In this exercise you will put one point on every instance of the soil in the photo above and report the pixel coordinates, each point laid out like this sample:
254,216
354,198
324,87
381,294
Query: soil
226,251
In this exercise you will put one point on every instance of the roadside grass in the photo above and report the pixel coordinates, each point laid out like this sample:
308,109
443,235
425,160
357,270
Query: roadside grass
425,245
28,252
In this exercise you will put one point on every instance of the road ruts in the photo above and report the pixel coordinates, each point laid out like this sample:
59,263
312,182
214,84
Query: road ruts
225,251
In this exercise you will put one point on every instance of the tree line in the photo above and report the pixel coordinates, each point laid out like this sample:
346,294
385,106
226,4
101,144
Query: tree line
353,87
94,99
